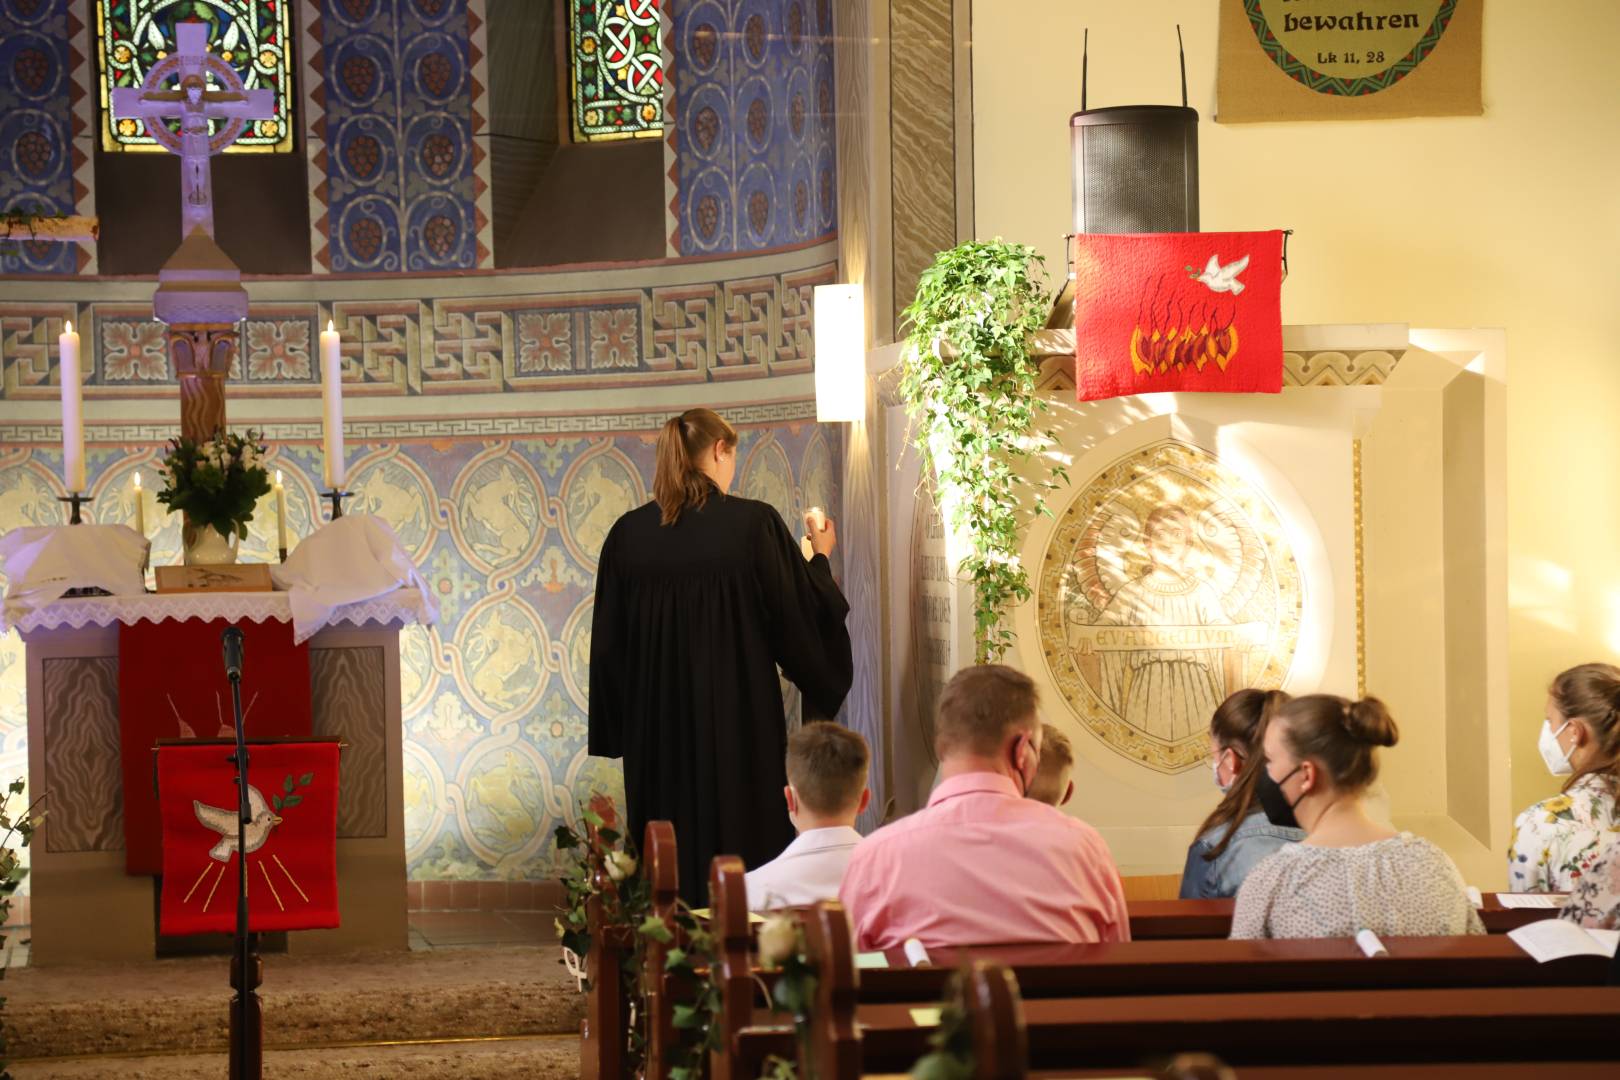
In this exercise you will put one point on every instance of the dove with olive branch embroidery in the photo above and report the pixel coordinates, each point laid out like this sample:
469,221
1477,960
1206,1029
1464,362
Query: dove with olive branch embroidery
1221,278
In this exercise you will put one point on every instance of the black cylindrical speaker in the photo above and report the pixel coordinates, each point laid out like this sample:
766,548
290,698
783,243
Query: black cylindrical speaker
1135,169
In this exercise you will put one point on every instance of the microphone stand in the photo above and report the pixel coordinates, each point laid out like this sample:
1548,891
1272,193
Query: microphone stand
247,970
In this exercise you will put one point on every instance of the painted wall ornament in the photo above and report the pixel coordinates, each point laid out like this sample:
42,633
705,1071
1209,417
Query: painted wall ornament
1168,584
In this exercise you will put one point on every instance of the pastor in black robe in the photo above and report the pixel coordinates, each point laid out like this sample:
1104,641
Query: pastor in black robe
690,623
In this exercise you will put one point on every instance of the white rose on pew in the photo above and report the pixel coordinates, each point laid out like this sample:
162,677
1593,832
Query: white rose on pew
778,941
620,865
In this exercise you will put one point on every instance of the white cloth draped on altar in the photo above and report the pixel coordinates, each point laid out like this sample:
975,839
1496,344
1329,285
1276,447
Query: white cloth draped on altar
43,562
353,559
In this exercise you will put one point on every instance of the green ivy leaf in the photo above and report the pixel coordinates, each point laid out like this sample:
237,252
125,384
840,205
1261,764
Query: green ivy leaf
275,801
287,785
292,800
307,779
653,927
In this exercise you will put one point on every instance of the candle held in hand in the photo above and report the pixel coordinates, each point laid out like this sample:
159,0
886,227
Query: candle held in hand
281,513
72,411
332,407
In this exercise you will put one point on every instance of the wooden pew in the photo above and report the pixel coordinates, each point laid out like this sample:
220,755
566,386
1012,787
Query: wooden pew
733,943
1363,1026
601,1044
1160,919
663,876
1175,964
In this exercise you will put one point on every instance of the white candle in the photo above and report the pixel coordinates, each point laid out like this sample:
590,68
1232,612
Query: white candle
140,507
281,513
72,411
332,401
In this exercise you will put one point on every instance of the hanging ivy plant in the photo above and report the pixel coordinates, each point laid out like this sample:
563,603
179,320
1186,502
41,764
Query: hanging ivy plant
969,386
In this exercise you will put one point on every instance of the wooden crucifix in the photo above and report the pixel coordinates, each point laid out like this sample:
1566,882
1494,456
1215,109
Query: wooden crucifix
194,104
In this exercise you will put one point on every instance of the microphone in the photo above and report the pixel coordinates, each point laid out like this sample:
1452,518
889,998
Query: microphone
232,639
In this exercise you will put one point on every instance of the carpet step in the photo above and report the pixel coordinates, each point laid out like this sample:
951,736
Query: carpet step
167,1006
551,1057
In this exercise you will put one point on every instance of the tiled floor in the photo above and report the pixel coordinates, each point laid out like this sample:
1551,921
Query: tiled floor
429,930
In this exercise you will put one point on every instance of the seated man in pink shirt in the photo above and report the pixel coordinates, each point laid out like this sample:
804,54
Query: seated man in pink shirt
981,864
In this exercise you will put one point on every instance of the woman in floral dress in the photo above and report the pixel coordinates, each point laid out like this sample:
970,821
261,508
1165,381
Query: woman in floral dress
1594,902
1558,840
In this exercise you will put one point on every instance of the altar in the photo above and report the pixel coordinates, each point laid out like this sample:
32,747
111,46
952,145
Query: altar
86,907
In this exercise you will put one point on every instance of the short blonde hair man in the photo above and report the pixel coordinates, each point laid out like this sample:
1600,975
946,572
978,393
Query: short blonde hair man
1053,783
826,791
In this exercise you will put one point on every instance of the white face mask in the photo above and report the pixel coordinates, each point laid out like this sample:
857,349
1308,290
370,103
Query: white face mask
1552,753
1215,768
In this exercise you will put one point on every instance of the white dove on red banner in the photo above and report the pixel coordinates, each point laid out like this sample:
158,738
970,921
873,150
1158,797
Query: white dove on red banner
224,822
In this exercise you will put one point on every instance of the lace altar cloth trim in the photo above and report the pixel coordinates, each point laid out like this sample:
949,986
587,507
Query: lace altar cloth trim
402,606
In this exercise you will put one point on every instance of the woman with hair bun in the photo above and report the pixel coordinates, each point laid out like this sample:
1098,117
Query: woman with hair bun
1349,873
700,596
1558,841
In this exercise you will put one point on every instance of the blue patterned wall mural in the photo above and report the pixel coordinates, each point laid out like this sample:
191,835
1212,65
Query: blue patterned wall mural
398,166
502,497
41,102
755,124
506,532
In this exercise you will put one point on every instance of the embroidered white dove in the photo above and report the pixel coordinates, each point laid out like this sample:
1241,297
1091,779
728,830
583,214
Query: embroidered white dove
1222,278
224,823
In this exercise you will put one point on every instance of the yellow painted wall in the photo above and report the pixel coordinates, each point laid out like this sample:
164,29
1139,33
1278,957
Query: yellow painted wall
1508,220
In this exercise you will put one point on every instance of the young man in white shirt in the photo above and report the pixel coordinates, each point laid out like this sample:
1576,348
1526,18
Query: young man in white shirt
826,791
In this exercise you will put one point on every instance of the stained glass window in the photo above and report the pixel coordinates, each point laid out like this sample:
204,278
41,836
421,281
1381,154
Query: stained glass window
616,69
253,36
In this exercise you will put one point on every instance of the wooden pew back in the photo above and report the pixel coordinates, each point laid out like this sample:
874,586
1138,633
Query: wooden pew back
601,1044
728,906
833,1047
663,877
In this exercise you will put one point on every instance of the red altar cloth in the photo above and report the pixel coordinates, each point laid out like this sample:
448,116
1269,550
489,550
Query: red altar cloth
171,685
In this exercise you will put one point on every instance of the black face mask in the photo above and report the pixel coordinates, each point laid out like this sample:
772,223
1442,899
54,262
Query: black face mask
1279,811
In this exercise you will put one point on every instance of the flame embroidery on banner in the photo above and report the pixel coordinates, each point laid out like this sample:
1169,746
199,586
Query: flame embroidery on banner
1175,332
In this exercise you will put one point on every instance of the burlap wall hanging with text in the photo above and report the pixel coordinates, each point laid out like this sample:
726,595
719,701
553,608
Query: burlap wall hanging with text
1348,59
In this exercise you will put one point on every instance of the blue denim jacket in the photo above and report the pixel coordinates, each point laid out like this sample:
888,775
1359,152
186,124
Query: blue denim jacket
1204,879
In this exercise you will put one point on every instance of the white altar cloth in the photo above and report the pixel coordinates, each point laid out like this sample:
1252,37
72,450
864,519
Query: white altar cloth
404,606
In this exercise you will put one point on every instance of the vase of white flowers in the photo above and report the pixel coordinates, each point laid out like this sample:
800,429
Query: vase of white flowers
216,484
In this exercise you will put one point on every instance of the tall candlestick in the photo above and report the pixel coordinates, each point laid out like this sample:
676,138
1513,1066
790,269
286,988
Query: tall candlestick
281,513
140,507
72,411
332,401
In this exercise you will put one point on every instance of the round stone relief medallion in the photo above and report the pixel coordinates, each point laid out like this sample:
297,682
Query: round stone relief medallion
1167,585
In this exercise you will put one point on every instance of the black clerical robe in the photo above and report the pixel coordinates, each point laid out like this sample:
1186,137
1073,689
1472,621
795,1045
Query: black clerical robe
691,621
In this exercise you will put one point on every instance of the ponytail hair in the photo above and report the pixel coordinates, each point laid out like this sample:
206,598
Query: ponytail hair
1590,693
678,484
1340,734
1238,725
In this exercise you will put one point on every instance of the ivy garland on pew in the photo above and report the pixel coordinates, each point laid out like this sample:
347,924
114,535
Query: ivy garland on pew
693,963
969,379
781,949
626,904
